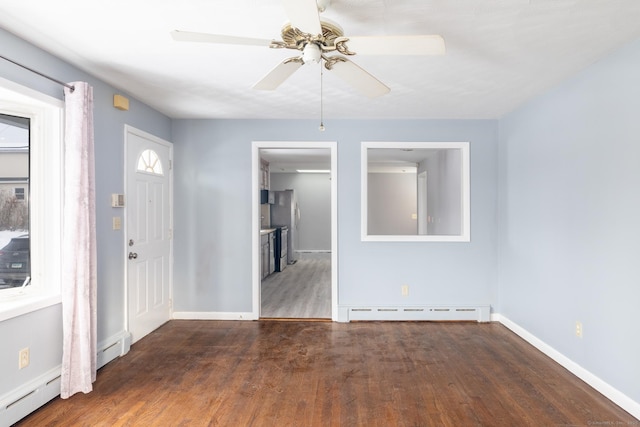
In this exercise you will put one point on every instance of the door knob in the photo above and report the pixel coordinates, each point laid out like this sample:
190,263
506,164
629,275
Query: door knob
133,255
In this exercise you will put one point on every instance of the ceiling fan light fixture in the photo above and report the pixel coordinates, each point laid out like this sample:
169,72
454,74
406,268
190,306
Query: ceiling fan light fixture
311,53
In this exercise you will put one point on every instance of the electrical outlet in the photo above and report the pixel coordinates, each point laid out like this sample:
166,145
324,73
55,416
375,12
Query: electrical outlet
405,290
23,358
579,329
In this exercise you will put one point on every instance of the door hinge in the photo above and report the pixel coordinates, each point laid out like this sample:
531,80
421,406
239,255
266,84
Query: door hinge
170,164
170,233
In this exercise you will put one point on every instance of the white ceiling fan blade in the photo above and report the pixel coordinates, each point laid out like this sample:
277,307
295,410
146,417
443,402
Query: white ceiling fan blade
303,15
357,77
396,45
188,36
279,74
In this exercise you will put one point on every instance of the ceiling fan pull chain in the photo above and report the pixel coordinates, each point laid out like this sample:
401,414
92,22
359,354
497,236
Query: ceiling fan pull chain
321,128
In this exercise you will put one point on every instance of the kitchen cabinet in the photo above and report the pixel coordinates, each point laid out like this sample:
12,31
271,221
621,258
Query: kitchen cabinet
264,175
264,250
267,247
272,246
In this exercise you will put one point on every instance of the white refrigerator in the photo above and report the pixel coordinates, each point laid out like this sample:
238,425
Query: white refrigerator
285,212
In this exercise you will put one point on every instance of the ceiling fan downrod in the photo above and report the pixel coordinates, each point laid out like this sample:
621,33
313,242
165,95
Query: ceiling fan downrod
323,5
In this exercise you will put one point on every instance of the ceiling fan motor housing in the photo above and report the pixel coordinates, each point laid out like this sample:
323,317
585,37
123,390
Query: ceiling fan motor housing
326,41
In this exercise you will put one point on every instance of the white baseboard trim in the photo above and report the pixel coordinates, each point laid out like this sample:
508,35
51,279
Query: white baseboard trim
610,392
212,315
25,399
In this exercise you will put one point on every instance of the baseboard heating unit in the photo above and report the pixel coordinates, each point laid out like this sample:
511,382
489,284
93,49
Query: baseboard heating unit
20,402
26,399
478,313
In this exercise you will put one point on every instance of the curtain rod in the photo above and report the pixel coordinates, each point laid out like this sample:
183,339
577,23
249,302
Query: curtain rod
68,86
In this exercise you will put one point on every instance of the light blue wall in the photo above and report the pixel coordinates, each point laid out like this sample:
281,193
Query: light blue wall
391,202
569,218
41,330
213,216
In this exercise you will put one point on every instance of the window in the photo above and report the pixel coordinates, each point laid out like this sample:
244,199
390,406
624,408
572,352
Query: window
149,162
30,186
14,212
415,191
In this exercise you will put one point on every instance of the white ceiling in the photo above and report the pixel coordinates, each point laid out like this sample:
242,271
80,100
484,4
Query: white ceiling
499,52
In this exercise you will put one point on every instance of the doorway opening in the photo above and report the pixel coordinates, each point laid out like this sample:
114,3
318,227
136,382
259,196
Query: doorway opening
294,230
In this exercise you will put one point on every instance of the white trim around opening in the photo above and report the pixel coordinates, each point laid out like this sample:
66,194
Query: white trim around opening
255,216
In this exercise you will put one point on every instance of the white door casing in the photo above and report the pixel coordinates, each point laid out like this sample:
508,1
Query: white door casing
148,242
255,221
422,203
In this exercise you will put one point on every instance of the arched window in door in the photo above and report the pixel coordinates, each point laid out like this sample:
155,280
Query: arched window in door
149,162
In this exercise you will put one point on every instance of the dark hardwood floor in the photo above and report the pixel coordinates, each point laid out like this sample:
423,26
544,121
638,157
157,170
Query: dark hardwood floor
270,373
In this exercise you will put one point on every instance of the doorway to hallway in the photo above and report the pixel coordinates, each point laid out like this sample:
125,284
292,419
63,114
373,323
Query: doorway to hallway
307,286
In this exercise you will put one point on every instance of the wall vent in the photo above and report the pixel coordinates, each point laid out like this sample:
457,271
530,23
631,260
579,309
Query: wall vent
20,399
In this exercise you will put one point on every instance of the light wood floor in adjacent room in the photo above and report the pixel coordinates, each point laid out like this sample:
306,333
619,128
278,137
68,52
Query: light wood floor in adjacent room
301,291
272,373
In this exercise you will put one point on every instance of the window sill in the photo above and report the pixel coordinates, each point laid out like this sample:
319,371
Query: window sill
18,304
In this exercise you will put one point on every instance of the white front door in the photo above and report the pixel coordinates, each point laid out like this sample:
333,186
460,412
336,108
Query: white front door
148,231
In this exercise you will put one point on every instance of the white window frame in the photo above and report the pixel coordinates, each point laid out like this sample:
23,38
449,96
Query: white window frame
46,116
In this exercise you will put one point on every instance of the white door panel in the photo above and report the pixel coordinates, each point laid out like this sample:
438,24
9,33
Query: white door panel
148,189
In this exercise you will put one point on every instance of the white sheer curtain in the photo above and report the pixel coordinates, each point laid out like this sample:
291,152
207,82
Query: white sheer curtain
79,272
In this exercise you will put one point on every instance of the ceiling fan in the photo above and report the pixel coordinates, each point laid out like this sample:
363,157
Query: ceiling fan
322,40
